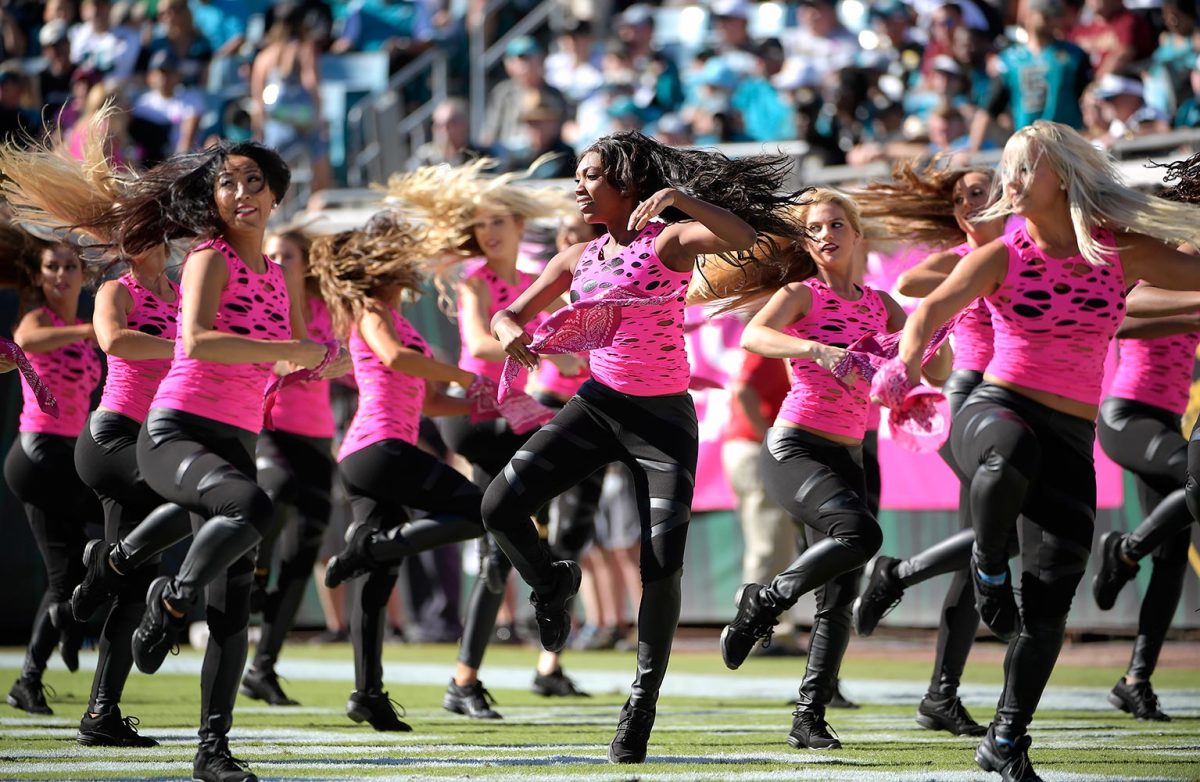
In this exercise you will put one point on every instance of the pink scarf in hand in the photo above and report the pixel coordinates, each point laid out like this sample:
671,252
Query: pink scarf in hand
274,386
522,412
10,351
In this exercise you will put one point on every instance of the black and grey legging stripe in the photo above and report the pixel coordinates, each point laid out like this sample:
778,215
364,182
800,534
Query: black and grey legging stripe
1148,441
657,438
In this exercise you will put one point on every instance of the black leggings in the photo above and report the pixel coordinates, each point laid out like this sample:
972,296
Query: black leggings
1147,441
820,484
296,472
40,471
208,468
1031,463
657,438
106,458
382,481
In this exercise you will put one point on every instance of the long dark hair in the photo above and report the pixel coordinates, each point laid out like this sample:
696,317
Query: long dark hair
21,263
1182,180
917,205
174,200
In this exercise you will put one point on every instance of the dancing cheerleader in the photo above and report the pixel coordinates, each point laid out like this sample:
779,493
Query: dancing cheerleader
635,408
938,206
1056,291
813,456
40,468
364,275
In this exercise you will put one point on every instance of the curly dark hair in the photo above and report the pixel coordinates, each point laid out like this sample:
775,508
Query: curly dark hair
174,200
1181,180
21,262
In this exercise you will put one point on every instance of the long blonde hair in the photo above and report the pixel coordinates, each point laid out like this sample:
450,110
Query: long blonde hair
1096,195
917,205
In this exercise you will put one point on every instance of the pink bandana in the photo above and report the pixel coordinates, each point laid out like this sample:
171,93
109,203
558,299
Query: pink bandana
579,327
918,416
10,351
523,412
868,354
332,349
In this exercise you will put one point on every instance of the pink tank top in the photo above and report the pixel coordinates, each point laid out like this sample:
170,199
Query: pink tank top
973,334
1054,317
130,386
389,402
304,408
550,379
502,295
252,305
71,372
1157,371
647,356
817,399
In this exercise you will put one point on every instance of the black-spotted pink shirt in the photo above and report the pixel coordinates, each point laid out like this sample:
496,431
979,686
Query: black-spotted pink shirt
131,384
71,372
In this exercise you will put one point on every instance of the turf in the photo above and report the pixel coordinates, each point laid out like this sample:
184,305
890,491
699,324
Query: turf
713,733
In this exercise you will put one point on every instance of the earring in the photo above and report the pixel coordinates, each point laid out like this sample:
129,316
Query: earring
1062,185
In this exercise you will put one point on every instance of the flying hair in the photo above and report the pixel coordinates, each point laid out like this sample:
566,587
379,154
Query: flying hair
1182,180
917,205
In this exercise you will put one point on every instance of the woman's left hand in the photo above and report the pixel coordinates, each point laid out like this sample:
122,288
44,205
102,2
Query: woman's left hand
652,207
339,366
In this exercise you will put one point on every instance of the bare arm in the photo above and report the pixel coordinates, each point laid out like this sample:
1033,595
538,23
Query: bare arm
1160,265
940,364
474,299
1153,328
380,335
712,229
111,323
1149,301
36,333
440,403
258,81
921,279
204,277
764,333
508,325
978,274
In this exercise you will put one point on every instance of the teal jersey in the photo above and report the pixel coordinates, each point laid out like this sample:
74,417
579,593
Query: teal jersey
1046,85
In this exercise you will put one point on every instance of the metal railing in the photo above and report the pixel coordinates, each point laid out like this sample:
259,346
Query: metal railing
383,131
484,56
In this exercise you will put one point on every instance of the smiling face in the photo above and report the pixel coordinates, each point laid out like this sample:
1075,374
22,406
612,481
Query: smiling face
832,239
972,193
60,275
1030,183
598,201
498,234
286,253
244,202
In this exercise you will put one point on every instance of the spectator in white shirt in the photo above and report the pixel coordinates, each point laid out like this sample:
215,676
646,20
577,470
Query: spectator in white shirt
113,51
165,113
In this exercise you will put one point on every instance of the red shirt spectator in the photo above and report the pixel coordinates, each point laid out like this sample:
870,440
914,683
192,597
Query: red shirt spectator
1114,36
758,391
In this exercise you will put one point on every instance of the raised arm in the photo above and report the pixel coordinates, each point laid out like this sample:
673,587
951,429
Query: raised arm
1153,328
712,229
379,333
939,366
204,277
36,333
919,281
111,323
1161,265
978,274
1149,301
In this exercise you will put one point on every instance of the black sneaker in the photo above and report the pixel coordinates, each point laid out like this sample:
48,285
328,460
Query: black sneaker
1010,761
947,713
377,709
557,684
472,699
110,729
264,686
633,734
158,632
997,606
352,561
839,699
70,634
29,695
214,763
1137,699
1114,571
811,731
751,623
882,594
99,583
550,610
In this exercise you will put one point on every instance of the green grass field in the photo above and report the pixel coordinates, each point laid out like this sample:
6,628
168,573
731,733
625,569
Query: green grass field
712,724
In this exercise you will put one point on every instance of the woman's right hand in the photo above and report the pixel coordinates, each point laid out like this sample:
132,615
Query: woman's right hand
828,357
307,354
515,341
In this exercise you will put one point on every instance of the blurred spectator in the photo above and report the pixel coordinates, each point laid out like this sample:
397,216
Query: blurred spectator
672,130
526,85
1114,36
574,70
318,19
177,33
83,79
19,123
1167,84
54,80
451,143
948,130
971,52
1123,106
97,44
765,114
167,115
1188,114
285,87
12,37
1042,78
225,23
944,22
658,85
118,143
544,123
731,27
946,84
817,46
402,28
895,39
